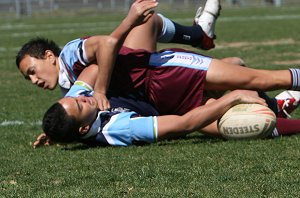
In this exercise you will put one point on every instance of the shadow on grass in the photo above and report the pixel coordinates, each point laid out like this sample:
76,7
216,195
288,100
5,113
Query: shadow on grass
191,139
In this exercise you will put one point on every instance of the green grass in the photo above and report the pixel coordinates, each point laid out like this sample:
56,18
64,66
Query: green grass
193,167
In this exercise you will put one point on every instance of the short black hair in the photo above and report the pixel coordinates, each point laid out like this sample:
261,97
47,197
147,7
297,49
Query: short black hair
59,126
36,48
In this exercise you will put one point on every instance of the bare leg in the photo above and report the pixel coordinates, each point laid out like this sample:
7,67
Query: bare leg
145,35
162,29
234,60
225,76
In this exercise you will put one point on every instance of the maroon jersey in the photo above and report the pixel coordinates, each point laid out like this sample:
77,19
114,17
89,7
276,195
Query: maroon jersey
172,79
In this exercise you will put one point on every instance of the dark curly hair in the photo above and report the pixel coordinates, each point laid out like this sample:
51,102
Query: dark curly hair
59,126
36,48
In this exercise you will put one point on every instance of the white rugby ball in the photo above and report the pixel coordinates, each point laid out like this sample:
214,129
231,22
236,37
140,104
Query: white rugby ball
247,121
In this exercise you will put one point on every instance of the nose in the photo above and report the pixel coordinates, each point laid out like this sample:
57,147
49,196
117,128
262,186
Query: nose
82,98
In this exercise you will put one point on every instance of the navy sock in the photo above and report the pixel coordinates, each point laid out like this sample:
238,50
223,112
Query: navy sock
272,102
189,35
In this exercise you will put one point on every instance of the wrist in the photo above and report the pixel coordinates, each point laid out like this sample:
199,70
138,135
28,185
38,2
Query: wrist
100,92
233,99
127,22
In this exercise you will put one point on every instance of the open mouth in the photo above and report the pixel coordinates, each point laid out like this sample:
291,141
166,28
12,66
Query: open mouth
41,84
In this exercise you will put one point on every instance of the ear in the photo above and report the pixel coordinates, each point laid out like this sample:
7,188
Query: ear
84,129
49,54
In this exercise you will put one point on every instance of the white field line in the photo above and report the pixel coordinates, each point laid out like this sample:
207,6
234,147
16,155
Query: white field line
22,30
19,122
285,41
249,18
259,18
94,26
72,27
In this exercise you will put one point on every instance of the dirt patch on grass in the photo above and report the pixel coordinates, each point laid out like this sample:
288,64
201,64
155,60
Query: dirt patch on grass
253,44
296,54
289,62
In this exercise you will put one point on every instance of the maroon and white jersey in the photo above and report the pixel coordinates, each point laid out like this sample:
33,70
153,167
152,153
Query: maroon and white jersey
172,79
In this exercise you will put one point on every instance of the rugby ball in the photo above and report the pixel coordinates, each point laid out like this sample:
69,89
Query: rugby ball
247,121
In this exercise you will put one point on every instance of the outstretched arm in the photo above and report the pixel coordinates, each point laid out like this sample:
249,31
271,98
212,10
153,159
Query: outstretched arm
104,49
174,126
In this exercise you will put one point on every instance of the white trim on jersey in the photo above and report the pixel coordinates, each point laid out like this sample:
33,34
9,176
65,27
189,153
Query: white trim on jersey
94,129
63,79
105,130
84,52
155,128
81,53
180,59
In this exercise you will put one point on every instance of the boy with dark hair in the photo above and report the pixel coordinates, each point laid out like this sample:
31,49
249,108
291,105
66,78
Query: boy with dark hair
36,48
60,121
77,118
141,29
122,127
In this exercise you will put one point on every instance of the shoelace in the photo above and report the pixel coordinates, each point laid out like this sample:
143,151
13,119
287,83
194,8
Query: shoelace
286,104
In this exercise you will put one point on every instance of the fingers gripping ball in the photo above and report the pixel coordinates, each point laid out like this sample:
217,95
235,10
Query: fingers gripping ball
247,121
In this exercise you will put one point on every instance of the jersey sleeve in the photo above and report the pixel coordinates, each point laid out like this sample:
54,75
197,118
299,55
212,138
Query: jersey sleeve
80,88
123,130
72,61
144,129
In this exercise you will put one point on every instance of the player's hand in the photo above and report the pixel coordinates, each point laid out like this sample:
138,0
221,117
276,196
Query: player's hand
103,103
42,140
247,96
140,11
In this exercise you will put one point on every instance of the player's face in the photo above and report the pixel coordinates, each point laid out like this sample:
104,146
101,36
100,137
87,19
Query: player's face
41,72
84,109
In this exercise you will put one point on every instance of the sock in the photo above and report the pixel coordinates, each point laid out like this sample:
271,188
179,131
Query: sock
286,127
295,73
272,102
176,33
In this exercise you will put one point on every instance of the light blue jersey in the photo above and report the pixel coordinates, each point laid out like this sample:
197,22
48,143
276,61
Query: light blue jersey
118,127
72,60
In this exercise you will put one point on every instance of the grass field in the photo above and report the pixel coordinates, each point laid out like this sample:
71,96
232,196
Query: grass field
196,166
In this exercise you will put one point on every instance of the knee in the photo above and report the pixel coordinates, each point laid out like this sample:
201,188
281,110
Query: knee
234,60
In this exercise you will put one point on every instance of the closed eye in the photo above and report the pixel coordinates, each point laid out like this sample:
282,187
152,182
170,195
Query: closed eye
27,77
29,72
78,105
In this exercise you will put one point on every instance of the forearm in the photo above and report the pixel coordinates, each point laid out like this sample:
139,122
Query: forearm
89,75
108,50
171,126
204,115
121,32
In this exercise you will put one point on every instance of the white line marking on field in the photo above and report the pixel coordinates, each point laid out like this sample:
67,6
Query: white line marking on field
247,18
262,18
19,122
110,24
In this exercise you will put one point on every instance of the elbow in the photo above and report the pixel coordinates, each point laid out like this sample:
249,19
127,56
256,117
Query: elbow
111,41
190,126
